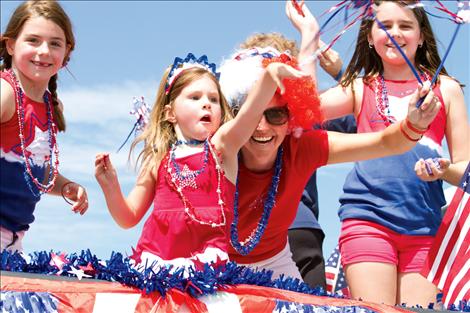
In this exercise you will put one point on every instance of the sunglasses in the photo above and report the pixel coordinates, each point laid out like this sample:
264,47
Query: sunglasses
274,116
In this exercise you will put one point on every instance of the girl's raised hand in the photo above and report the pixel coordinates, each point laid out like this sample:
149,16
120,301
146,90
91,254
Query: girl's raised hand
431,169
76,193
104,170
300,16
423,116
279,71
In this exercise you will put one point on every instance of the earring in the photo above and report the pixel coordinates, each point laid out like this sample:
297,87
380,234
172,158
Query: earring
420,45
371,46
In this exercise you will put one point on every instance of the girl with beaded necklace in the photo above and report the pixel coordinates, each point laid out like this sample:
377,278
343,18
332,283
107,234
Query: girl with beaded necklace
37,42
189,165
389,217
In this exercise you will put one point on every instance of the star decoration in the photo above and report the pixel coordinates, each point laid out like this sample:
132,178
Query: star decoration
58,260
88,269
198,264
78,272
185,178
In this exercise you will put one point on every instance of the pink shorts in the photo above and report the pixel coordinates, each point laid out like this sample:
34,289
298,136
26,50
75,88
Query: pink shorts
363,241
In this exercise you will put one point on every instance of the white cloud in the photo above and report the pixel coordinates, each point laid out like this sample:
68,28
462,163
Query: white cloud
98,120
105,103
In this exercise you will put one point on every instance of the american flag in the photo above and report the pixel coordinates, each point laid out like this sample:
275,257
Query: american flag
45,294
448,263
335,278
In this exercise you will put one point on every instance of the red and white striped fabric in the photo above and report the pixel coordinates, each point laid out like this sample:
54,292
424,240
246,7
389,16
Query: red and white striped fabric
334,273
448,263
40,293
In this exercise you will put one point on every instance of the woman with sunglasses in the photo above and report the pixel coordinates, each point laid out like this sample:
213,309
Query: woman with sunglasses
305,235
277,161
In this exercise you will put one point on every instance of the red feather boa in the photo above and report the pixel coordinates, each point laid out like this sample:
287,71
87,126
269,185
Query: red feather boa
301,96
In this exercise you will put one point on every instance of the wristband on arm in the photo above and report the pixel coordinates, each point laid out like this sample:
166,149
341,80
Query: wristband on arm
339,75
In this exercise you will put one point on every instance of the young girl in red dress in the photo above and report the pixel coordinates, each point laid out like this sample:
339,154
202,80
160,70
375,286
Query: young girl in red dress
189,165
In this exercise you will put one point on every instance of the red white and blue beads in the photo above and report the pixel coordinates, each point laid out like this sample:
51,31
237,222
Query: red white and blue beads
54,149
180,180
381,98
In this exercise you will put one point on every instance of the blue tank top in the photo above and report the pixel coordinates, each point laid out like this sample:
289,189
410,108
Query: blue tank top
386,190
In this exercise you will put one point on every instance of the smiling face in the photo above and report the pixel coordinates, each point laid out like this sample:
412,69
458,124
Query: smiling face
403,26
262,147
196,111
39,51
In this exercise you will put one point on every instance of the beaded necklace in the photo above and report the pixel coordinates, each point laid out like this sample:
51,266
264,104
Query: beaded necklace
186,177
51,128
246,246
181,179
381,98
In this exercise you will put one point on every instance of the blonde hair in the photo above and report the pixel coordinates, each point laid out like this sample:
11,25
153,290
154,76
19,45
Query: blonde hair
275,40
159,134
50,10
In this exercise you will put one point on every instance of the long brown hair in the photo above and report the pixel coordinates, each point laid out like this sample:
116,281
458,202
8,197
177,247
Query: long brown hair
50,10
159,134
366,60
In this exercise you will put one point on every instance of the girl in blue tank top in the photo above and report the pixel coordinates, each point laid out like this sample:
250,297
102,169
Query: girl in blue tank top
389,216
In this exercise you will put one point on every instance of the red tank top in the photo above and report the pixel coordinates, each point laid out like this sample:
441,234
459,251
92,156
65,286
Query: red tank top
171,235
368,119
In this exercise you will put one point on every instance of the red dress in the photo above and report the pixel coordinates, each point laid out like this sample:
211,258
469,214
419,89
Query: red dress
170,235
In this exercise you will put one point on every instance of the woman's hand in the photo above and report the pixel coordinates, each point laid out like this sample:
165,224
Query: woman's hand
279,71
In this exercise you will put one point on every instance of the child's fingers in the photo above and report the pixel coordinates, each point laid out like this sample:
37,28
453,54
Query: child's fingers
80,207
107,161
416,96
419,166
102,160
444,163
99,158
433,167
82,201
429,101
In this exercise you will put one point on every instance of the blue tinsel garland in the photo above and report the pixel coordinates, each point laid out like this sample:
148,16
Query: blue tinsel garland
198,283
121,269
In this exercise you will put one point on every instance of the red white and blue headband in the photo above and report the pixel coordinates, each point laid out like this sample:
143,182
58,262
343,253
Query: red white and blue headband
190,61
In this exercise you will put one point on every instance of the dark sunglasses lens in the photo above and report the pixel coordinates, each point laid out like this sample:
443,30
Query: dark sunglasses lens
277,116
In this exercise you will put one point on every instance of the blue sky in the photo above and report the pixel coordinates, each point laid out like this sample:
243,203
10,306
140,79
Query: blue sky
122,50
